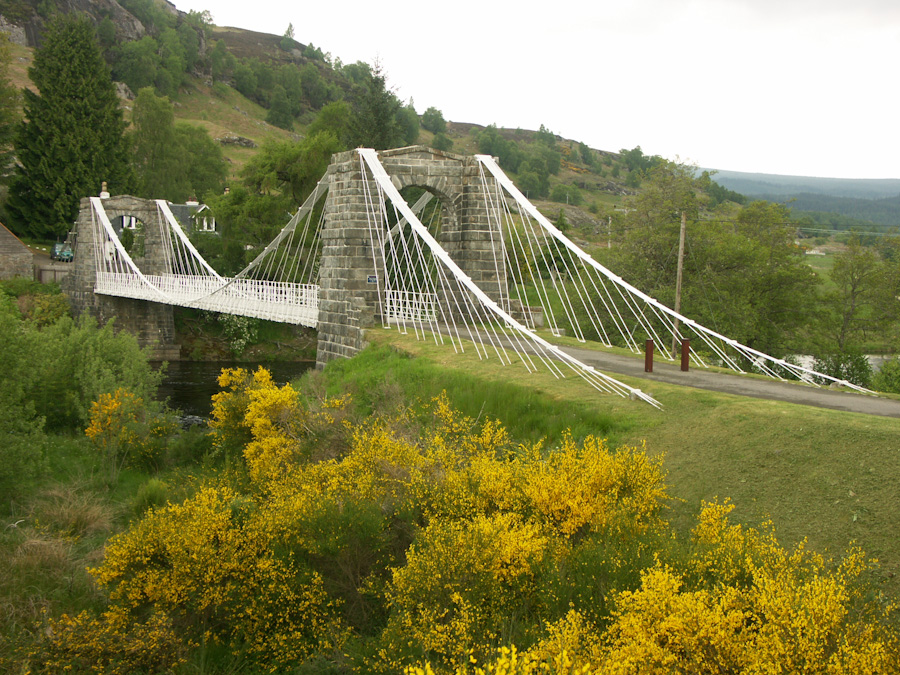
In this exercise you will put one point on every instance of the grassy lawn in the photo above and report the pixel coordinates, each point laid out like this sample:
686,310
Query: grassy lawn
821,475
820,263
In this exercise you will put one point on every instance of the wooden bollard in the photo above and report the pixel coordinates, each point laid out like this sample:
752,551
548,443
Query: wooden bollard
685,355
648,356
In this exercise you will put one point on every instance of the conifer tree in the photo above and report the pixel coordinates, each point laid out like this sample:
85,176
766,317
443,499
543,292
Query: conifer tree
71,139
375,114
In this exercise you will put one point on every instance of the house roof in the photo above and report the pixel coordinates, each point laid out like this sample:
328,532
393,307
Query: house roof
182,212
10,244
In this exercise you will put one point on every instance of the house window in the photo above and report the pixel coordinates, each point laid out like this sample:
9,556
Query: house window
204,221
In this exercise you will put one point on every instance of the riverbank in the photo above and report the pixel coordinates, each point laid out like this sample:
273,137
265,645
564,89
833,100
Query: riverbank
188,386
205,336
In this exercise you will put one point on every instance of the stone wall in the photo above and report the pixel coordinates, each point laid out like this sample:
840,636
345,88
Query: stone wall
17,265
16,259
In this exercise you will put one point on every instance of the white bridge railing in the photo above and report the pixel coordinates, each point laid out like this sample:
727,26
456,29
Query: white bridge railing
410,306
271,300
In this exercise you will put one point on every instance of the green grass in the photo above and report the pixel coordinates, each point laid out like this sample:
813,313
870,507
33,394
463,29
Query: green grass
820,263
822,475
383,377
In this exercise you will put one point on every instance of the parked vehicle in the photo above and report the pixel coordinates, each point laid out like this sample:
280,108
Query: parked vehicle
61,252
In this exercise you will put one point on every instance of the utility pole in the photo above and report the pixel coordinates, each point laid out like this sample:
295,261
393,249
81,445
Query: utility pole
678,281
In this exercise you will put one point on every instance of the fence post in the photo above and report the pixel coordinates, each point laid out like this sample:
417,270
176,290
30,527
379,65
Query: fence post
648,356
685,354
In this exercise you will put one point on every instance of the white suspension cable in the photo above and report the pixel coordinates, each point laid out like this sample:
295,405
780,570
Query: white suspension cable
485,303
635,293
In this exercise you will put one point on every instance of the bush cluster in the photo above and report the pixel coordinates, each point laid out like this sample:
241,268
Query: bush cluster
51,368
424,541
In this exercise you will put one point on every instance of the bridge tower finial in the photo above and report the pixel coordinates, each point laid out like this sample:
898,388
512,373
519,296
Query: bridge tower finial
104,193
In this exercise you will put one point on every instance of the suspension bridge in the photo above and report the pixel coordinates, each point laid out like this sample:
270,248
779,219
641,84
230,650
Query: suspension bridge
415,240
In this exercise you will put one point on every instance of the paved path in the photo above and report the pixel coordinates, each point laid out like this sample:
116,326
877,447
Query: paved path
736,384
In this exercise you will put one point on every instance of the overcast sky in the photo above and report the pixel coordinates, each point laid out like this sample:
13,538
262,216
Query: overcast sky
798,87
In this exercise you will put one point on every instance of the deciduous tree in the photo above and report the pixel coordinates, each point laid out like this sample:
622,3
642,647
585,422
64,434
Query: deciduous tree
204,162
861,299
409,123
280,114
172,161
334,117
289,168
744,278
433,120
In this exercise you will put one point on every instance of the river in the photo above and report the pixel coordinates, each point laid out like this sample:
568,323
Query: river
189,385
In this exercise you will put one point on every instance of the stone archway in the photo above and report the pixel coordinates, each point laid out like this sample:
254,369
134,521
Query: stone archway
348,295
152,323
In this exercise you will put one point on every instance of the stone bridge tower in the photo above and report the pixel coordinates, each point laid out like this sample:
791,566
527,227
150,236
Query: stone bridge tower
151,323
348,296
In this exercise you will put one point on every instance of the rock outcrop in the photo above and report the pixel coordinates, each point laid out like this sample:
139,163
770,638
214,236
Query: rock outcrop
28,31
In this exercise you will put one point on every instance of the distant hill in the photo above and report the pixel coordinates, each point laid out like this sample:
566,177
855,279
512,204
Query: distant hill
873,200
758,184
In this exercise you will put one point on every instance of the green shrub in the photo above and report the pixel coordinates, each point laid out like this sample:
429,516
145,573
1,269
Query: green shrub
888,378
851,366
240,331
151,494
189,446
442,142
568,194
22,460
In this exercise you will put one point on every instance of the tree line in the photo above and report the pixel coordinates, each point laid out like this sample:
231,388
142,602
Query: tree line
746,275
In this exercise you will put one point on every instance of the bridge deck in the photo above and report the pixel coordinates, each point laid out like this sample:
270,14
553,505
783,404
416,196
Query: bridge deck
271,300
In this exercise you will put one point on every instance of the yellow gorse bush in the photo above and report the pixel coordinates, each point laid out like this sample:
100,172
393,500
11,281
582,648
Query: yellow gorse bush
464,580
267,423
122,430
113,644
211,564
427,543
766,610
586,487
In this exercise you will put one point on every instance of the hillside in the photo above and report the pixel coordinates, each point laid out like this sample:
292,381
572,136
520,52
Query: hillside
758,184
588,185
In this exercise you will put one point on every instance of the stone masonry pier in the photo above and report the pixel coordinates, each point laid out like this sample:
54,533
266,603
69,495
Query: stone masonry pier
151,323
348,296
